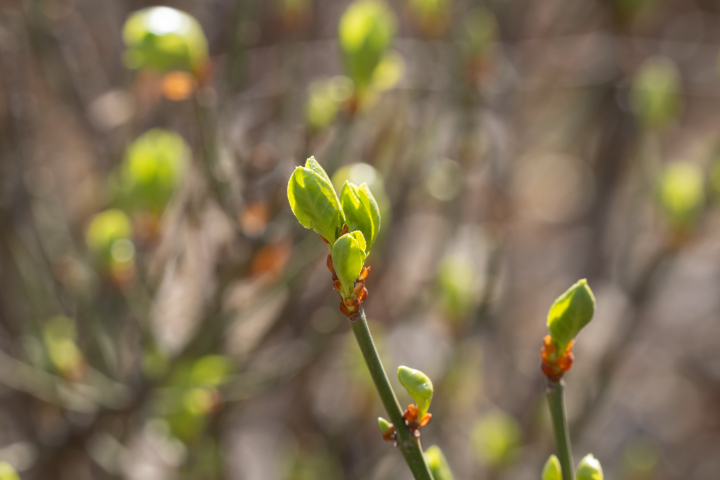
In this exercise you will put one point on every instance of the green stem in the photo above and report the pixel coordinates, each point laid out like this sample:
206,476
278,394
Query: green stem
408,444
556,403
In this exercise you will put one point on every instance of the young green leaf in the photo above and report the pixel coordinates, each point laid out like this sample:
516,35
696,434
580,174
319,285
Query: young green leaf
438,464
589,469
385,427
552,469
570,313
366,30
314,202
656,92
164,39
681,191
418,385
361,211
348,256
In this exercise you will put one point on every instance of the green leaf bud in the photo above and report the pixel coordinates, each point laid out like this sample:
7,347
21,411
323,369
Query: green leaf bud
570,312
589,469
366,30
655,95
153,167
681,192
59,335
385,427
496,438
164,39
314,202
438,464
108,236
348,256
7,472
552,469
418,385
361,211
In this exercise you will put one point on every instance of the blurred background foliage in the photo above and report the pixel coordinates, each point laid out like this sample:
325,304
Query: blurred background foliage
163,315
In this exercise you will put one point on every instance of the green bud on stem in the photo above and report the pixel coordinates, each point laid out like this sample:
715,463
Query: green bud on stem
570,312
589,469
438,464
418,385
552,469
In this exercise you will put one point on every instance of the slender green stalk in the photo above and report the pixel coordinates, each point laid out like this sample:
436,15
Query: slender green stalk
408,444
556,403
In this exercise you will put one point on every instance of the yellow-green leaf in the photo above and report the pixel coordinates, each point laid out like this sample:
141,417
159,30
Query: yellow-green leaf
153,166
681,191
589,469
366,30
438,464
164,39
418,385
656,92
552,469
314,202
570,312
384,426
348,256
361,211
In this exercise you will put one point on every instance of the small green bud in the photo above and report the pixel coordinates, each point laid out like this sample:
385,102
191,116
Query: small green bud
361,211
366,30
570,313
681,191
348,256
386,428
589,469
655,94
418,385
496,438
438,464
152,169
314,202
7,472
552,469
164,39
108,236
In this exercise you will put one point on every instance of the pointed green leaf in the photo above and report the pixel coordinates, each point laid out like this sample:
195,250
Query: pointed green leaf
418,385
438,464
348,256
552,469
361,211
313,165
570,313
589,469
385,427
314,202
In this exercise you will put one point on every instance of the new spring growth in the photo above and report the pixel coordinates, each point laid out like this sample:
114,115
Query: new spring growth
570,312
552,469
314,202
420,388
589,469
164,39
438,464
349,228
387,429
366,30
681,193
